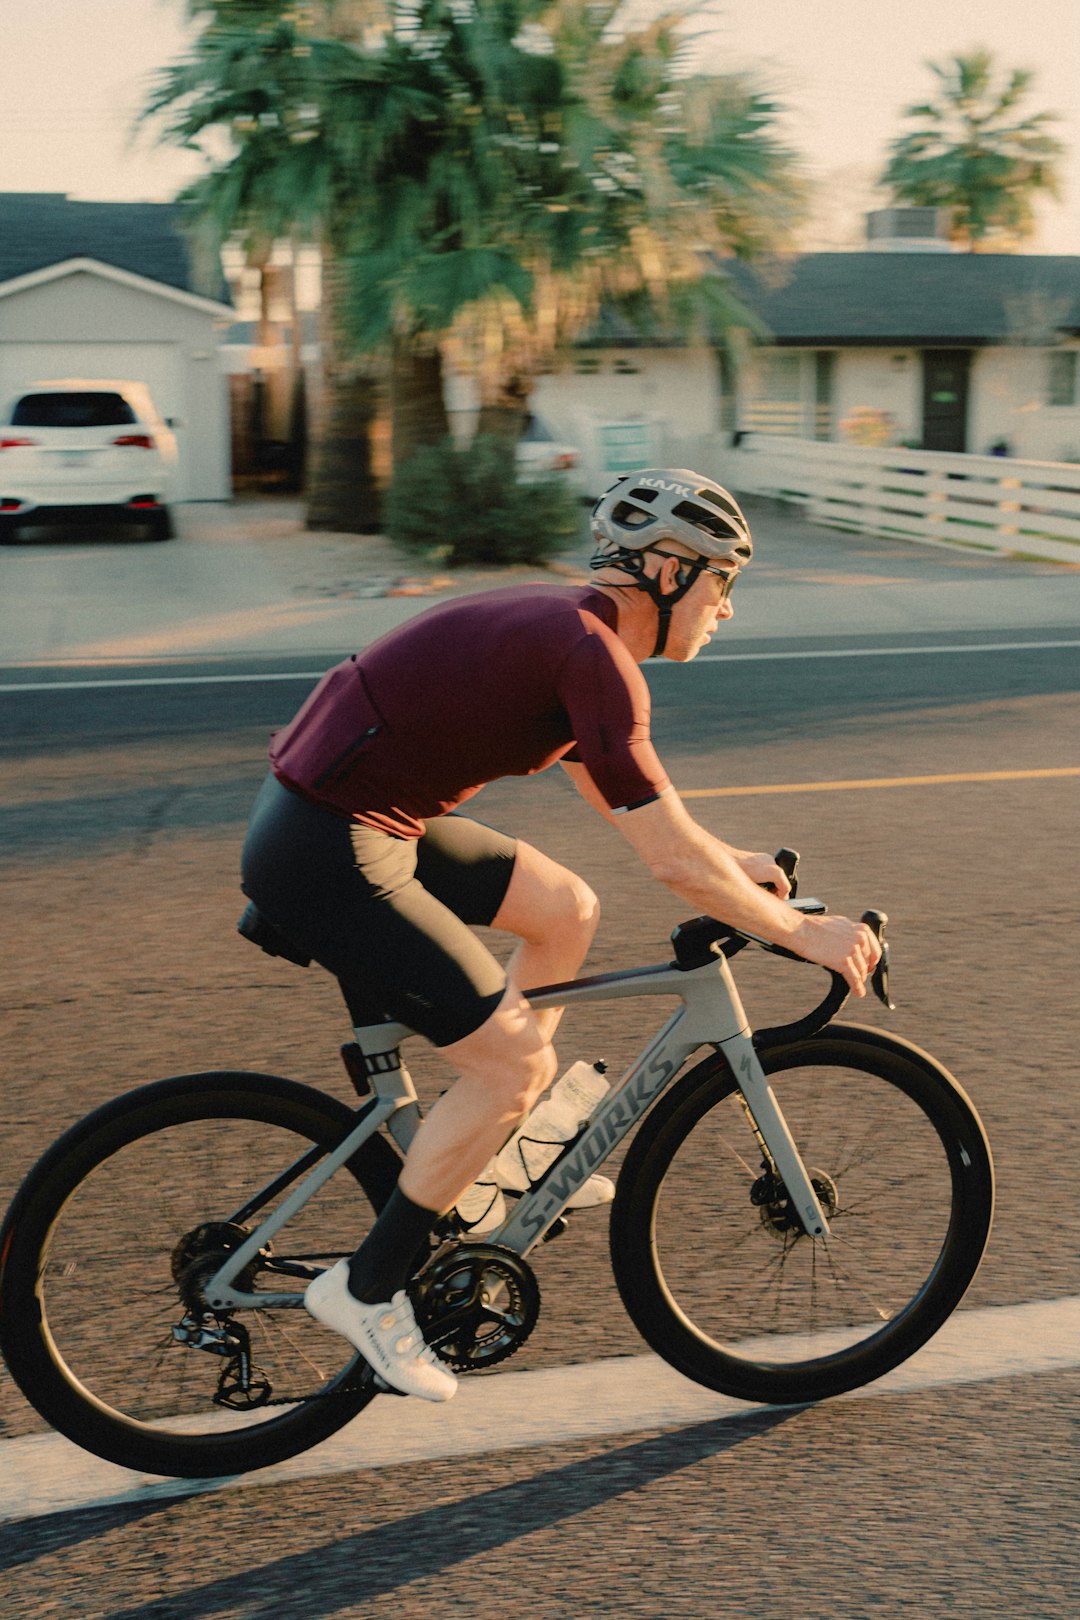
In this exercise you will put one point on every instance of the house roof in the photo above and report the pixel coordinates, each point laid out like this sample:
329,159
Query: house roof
917,299
39,229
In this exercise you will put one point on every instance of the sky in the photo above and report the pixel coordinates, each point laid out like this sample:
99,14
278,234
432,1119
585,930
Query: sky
73,74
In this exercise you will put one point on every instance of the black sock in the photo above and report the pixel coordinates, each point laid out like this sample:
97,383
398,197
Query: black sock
385,1260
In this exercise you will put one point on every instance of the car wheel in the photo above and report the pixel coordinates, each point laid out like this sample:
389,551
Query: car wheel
9,530
160,525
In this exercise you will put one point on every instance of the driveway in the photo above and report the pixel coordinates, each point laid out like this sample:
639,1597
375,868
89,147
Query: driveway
245,578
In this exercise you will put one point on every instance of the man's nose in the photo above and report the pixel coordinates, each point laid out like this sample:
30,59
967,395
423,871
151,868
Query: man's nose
726,610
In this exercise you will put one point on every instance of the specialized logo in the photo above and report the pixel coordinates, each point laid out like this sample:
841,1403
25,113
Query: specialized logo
617,1115
660,483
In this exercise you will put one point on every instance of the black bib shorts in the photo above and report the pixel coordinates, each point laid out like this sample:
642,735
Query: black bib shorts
389,917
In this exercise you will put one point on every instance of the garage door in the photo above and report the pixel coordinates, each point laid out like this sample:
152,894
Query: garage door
158,365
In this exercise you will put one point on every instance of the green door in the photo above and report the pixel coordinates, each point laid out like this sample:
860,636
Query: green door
945,399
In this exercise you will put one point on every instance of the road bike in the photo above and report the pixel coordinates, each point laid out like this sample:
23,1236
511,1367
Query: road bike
798,1212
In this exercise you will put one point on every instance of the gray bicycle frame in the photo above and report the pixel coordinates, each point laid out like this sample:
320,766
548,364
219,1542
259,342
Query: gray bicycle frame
711,1014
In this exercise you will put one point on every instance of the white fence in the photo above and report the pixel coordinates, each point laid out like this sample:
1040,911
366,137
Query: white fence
990,503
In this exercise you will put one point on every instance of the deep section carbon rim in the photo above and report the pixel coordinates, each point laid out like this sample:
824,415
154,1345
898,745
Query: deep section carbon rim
121,1229
714,1266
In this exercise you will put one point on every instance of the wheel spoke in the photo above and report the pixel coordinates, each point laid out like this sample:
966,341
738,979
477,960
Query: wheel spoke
773,1313
128,1243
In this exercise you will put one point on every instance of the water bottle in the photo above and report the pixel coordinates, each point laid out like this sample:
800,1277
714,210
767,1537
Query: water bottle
554,1121
482,1207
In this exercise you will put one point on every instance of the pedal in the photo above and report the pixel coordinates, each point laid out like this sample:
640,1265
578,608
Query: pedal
383,1387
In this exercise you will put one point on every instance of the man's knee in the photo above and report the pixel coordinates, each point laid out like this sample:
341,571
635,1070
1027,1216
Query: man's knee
571,908
508,1054
545,900
527,1078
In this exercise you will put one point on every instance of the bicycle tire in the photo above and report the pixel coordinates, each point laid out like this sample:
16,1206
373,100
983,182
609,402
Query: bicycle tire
763,1312
89,1294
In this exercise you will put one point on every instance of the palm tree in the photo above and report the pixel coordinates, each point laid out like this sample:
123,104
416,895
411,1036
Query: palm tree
633,181
492,170
974,154
262,76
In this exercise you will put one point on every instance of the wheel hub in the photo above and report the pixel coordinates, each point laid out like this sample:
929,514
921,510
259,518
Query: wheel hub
202,1252
777,1213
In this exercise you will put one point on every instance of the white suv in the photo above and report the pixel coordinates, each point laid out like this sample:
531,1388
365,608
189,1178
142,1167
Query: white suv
85,450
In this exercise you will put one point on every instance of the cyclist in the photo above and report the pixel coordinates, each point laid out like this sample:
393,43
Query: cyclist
355,852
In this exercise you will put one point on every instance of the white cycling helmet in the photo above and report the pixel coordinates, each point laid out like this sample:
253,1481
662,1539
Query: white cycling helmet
642,509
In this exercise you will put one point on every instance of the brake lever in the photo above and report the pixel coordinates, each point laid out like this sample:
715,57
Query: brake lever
879,979
788,862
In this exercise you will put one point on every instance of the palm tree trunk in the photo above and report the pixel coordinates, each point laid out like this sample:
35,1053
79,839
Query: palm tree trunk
504,414
343,494
417,406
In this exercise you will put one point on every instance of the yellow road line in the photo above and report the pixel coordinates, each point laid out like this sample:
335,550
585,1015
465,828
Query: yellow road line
878,782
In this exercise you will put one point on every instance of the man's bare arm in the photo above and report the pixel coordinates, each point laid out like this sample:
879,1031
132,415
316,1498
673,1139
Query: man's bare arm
723,883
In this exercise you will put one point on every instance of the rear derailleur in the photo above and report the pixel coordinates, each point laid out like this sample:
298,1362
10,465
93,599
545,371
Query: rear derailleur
197,1258
240,1385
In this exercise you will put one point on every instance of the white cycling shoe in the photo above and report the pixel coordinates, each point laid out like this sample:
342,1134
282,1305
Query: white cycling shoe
386,1335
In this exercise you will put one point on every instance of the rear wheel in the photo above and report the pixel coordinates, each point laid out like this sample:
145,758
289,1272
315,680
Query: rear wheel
9,530
111,1239
159,524
714,1265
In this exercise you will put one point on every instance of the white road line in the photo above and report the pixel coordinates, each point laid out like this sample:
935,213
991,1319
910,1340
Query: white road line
657,663
41,1474
876,652
162,680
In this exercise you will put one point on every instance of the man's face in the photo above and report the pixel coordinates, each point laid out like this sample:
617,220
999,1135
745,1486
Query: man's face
699,615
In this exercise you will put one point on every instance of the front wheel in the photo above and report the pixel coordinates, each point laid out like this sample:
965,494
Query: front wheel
111,1238
715,1268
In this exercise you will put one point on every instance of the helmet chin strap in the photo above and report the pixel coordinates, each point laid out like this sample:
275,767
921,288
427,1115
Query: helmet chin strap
633,562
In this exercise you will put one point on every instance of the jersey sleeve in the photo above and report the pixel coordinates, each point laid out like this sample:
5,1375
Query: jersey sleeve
607,700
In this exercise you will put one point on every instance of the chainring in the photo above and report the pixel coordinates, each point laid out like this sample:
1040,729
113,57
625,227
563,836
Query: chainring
476,1304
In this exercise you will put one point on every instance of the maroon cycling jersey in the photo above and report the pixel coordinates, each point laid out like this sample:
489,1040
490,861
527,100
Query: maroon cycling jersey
502,684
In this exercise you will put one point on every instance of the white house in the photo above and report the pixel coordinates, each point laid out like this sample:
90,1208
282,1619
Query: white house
970,352
106,290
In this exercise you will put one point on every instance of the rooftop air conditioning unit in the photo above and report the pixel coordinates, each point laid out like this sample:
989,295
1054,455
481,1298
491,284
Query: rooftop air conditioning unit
908,230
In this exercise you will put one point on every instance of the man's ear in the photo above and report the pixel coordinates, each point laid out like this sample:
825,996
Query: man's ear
671,574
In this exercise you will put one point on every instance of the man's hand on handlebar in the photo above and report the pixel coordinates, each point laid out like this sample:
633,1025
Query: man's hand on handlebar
763,870
844,947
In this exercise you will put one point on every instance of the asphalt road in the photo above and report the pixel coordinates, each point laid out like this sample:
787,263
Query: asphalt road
121,817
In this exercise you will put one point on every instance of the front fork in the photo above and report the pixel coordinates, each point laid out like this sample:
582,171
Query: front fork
778,1150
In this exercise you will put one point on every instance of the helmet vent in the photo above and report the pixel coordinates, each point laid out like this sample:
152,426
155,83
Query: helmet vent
716,497
643,494
630,517
713,524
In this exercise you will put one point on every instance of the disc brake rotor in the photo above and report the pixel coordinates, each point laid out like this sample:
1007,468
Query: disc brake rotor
776,1211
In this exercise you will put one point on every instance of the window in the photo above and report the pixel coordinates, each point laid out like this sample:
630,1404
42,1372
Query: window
72,410
824,371
1061,377
777,405
781,378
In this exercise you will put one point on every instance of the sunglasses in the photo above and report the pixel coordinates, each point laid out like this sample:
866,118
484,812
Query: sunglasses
728,575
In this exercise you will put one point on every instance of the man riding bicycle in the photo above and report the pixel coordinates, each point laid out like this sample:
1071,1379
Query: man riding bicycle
356,853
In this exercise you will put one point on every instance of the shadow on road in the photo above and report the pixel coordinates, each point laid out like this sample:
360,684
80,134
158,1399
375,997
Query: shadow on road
420,1545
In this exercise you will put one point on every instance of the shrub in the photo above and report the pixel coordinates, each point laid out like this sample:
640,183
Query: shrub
462,506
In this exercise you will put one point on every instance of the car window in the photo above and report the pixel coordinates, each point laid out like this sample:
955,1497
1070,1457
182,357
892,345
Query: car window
536,433
72,410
